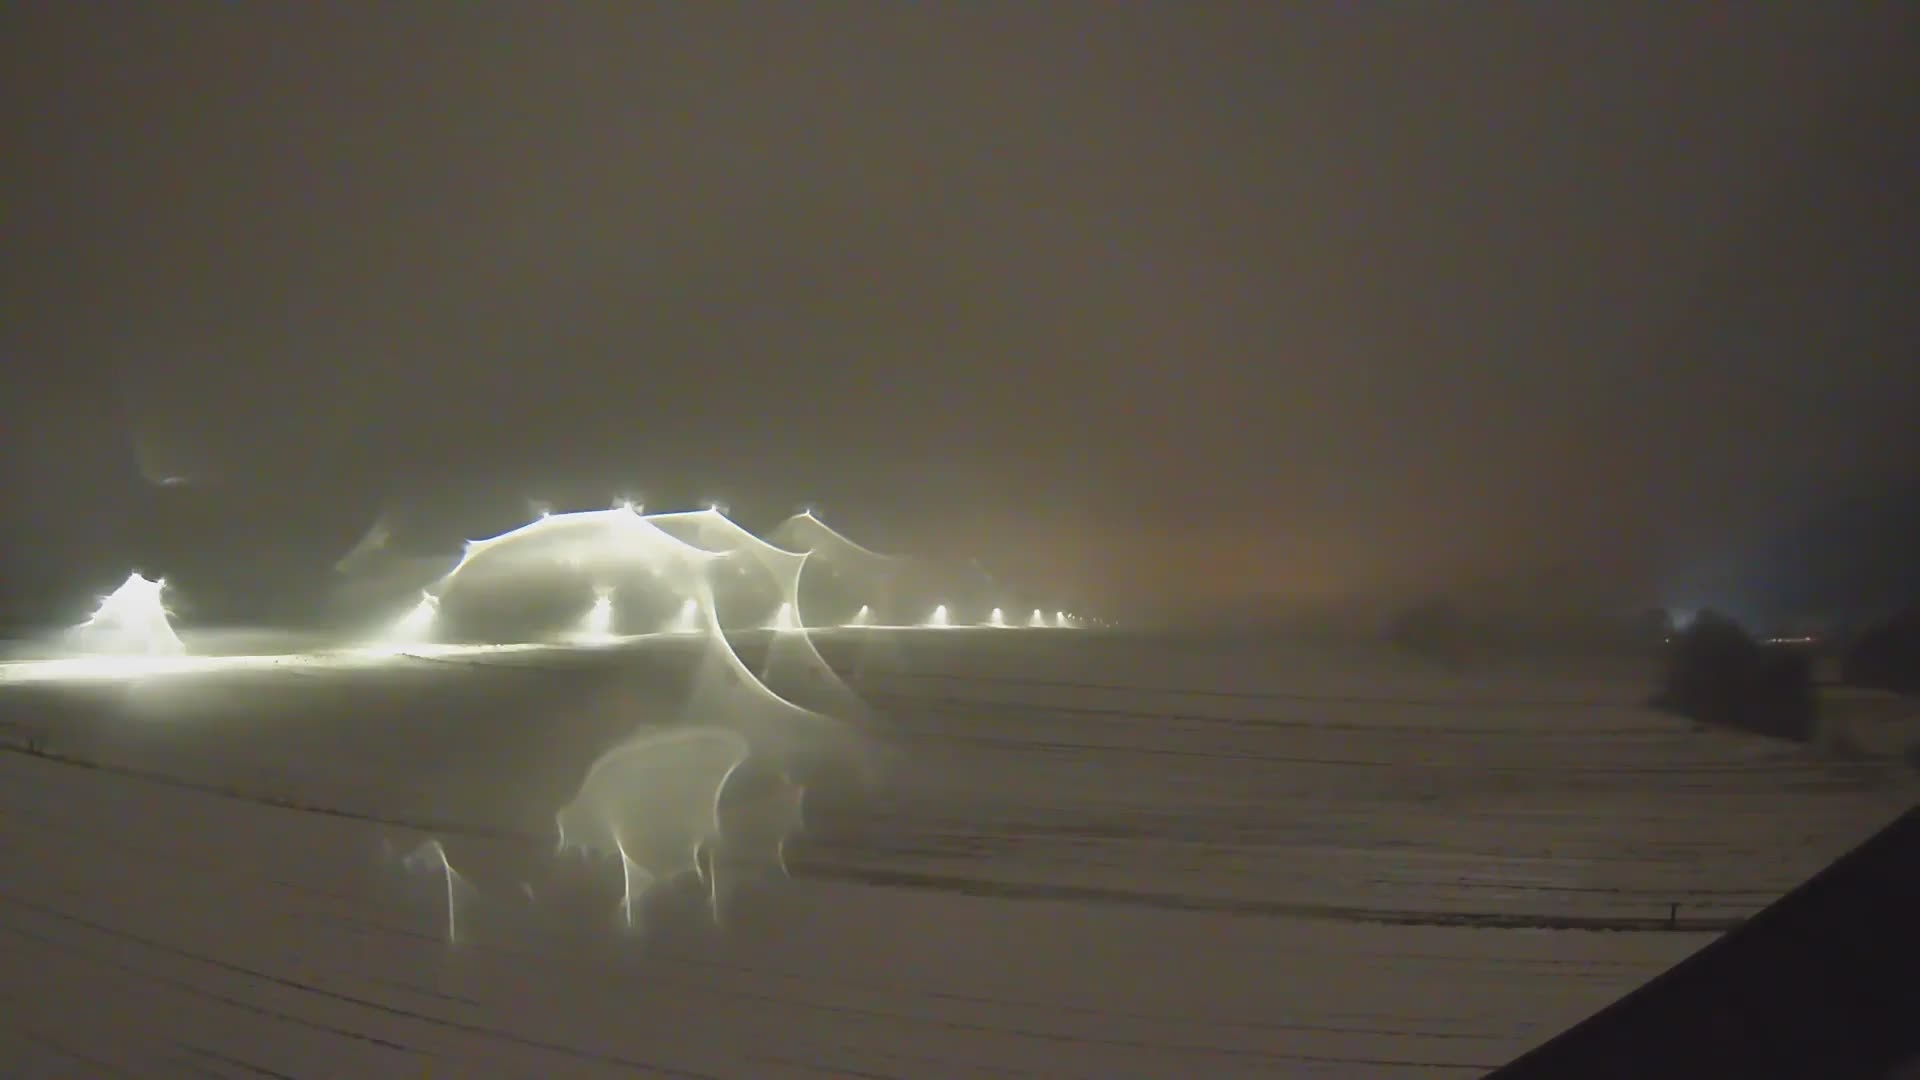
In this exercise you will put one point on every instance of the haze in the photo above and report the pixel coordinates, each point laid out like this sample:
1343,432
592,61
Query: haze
1172,306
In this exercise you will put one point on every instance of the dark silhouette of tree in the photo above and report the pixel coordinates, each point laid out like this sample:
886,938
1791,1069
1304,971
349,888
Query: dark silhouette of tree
1718,674
1887,657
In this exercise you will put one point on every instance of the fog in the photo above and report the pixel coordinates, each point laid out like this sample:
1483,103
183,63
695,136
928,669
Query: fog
1167,310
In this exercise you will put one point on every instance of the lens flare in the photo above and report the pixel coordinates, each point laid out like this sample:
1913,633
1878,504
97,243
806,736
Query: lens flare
706,781
430,860
653,802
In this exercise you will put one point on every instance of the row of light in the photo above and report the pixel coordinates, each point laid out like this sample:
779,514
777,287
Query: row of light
134,619
134,612
596,625
940,619
130,634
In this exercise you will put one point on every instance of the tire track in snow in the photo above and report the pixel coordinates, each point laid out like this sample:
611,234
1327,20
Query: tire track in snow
1028,1007
803,868
481,1030
1266,723
238,1063
1071,747
1291,697
1113,897
181,985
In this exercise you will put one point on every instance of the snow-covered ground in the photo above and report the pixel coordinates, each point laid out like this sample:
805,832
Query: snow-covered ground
1089,857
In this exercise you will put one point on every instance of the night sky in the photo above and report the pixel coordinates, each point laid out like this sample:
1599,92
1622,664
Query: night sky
1164,305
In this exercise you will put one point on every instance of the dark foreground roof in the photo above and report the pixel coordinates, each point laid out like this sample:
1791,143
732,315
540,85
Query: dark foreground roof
1824,983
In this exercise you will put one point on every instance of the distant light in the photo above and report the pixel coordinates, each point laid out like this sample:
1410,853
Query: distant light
998,618
863,617
688,620
939,617
1038,619
597,624
417,622
409,631
785,619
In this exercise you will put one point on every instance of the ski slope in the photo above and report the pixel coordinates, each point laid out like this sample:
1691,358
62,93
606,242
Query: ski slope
1088,856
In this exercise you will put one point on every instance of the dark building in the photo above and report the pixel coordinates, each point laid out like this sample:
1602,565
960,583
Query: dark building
1821,985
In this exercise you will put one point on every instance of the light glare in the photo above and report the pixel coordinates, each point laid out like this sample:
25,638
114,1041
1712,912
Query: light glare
131,621
785,620
597,624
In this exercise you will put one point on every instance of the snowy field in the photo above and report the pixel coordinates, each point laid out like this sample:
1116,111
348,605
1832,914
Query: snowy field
1087,856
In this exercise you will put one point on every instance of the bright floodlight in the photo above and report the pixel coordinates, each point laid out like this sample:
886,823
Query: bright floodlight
597,623
998,618
1060,619
1038,619
417,624
785,619
131,620
688,619
863,617
939,617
